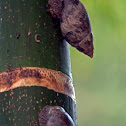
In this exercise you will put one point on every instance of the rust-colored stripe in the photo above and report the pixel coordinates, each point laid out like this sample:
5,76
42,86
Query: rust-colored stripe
36,76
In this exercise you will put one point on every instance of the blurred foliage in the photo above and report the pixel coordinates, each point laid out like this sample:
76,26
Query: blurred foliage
100,83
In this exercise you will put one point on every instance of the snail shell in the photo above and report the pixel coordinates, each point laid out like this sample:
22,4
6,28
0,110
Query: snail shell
54,116
74,24
76,28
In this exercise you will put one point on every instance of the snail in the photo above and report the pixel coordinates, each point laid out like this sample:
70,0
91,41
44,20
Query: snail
74,24
54,116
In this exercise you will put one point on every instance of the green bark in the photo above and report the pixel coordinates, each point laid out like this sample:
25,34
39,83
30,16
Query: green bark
20,21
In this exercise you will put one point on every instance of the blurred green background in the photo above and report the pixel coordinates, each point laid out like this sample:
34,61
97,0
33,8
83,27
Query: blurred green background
100,83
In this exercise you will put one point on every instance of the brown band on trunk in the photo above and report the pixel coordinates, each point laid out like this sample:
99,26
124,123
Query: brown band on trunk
36,76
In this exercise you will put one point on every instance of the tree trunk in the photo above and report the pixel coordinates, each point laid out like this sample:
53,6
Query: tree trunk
32,51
